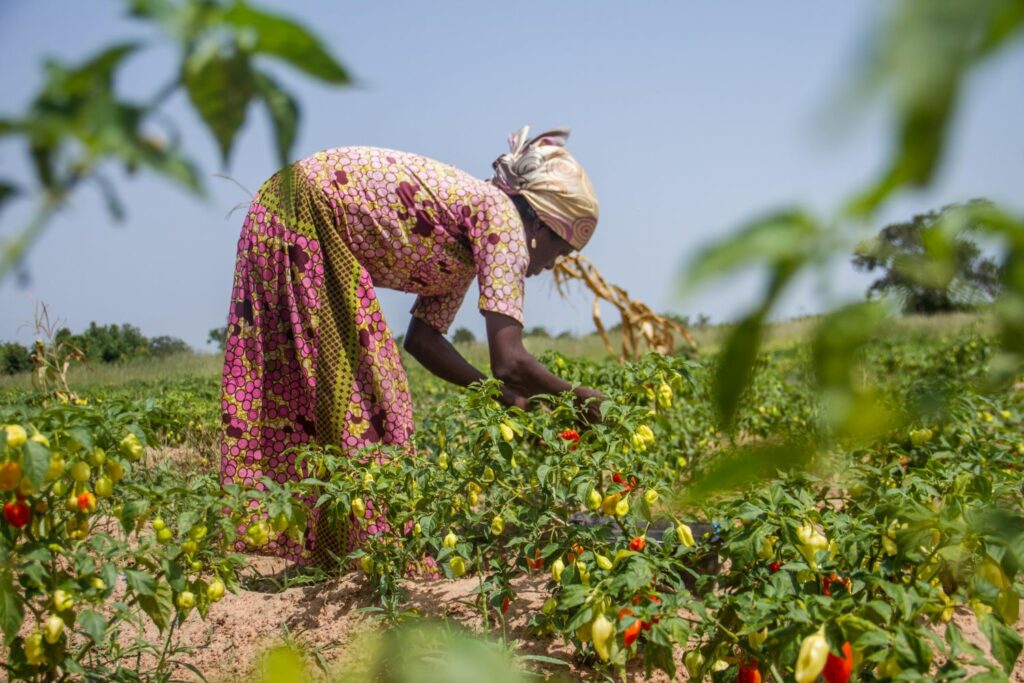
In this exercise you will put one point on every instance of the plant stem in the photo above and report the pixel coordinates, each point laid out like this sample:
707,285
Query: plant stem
16,248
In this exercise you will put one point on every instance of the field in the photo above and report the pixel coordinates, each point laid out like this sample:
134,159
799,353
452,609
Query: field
656,545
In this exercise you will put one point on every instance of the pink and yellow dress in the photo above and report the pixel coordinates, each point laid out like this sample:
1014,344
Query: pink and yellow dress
309,356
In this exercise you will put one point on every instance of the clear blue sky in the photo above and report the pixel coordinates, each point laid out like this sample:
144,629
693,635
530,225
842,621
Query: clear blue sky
690,118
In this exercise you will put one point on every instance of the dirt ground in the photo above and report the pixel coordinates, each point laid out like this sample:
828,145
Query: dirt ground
327,615
331,616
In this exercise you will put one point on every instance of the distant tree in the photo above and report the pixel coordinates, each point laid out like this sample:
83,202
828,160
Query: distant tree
538,331
703,320
107,343
463,335
683,320
928,282
166,346
14,358
566,334
218,336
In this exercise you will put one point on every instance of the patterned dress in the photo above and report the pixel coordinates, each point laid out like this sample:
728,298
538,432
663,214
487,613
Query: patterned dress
309,356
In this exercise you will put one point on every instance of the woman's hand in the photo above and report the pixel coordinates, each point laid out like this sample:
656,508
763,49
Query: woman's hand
511,399
590,400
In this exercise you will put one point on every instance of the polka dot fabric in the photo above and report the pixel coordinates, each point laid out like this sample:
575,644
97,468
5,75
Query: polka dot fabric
309,356
422,226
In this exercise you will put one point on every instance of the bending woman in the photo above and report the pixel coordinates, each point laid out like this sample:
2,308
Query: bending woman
309,356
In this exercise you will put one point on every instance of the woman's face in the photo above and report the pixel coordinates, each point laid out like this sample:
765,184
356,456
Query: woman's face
549,248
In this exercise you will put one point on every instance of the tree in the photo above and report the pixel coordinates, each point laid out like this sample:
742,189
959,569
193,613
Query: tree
14,358
538,331
218,336
929,273
167,346
463,336
107,343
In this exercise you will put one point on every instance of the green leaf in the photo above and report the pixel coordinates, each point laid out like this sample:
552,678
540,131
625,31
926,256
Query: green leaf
735,366
110,198
923,58
783,237
287,40
95,73
93,624
747,465
131,512
283,110
12,609
840,337
283,664
220,88
8,191
82,437
159,605
141,582
988,677
1005,643
36,463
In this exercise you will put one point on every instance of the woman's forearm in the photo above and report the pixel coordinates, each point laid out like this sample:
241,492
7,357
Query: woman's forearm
430,348
436,354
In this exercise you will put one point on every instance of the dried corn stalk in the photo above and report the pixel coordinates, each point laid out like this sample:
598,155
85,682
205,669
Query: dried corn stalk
638,321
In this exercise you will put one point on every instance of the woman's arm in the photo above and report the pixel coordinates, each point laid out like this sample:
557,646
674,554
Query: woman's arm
436,354
515,366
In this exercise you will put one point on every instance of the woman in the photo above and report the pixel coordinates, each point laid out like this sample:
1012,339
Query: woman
309,355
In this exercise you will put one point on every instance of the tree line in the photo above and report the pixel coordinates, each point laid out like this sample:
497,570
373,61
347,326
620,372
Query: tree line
100,344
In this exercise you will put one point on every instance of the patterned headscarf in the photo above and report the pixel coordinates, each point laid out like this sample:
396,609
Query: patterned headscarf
552,182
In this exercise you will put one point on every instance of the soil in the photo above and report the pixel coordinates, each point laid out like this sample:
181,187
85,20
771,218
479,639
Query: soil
328,615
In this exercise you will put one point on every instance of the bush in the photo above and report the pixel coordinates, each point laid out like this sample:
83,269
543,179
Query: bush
14,358
463,335
166,346
107,343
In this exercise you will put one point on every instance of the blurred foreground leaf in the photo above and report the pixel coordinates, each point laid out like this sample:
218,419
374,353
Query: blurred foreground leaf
923,55
748,464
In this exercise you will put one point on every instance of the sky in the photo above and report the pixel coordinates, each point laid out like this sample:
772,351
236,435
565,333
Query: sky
689,117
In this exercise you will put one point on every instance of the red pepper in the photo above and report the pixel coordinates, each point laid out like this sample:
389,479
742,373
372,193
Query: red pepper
570,435
839,669
632,632
638,544
774,566
504,604
17,513
537,563
749,673
827,581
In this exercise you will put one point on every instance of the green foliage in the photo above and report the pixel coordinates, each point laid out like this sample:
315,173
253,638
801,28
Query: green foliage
921,58
218,336
100,344
930,272
167,346
107,343
463,335
14,358
77,124
914,511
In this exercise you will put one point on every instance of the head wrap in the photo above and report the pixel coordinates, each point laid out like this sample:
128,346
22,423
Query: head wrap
552,182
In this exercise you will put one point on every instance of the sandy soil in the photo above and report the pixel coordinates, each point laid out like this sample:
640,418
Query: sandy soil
327,615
